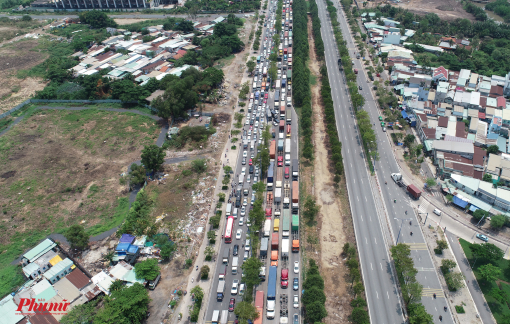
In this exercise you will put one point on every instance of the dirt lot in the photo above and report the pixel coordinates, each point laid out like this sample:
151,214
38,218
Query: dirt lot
445,9
14,57
128,21
61,168
330,228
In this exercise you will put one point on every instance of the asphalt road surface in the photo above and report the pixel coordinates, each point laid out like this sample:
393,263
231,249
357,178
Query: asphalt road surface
213,304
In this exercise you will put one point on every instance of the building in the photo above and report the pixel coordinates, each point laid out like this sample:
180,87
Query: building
59,270
391,38
38,251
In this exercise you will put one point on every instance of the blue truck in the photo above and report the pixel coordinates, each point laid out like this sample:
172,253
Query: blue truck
277,96
270,173
284,81
271,292
257,95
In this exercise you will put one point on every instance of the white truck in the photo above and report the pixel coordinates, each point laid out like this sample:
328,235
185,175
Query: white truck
285,248
235,264
270,309
229,209
267,228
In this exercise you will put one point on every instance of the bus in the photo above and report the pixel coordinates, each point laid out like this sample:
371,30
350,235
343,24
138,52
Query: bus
224,317
229,231
252,96
258,59
215,317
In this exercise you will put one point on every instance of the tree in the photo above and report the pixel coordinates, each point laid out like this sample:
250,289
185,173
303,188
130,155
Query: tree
497,221
358,302
204,272
479,214
251,270
488,272
447,264
167,250
311,209
487,251
413,291
26,18
441,245
313,281
494,149
431,182
83,313
117,285
96,19
409,140
147,269
487,177
358,288
199,165
313,294
359,316
315,312
127,305
197,292
77,237
418,314
498,295
153,157
209,252
454,280
186,26
251,66
246,311
136,174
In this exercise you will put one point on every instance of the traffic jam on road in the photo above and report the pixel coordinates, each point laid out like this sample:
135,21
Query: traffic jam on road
279,238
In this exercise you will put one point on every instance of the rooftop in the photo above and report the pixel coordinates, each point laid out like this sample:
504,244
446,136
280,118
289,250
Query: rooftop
39,250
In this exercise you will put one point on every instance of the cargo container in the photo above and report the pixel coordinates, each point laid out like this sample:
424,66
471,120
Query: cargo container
274,241
282,126
285,248
220,292
286,195
295,197
295,223
259,305
276,225
269,200
280,145
286,223
271,292
267,227
288,116
272,149
270,172
287,146
414,191
277,84
277,96
264,242
277,195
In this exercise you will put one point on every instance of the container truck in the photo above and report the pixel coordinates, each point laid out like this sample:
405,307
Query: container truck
264,242
274,258
414,191
280,145
278,195
270,172
295,169
288,116
286,223
279,177
282,112
235,264
269,200
277,96
289,75
284,311
278,84
274,242
295,223
224,316
276,225
267,227
271,293
272,149
295,197
259,305
295,245
286,195
397,177
223,273
285,248
246,188
220,292
264,71
287,145
226,256
215,317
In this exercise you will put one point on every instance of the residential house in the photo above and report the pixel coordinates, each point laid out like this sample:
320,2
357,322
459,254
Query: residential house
59,270
465,150
38,251
487,192
466,184
440,74
391,38
496,91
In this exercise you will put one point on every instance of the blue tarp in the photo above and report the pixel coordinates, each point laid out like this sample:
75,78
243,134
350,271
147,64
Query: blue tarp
123,247
404,114
127,238
473,208
132,249
459,202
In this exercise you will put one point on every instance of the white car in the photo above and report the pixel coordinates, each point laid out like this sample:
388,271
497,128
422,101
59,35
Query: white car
241,221
249,132
235,286
245,153
437,212
252,156
248,178
243,211
245,202
238,234
289,88
296,301
296,266
243,170
255,179
247,122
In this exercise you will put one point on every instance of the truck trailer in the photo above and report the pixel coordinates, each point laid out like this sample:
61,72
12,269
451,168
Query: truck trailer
271,293
295,197
264,242
286,223
285,248
267,227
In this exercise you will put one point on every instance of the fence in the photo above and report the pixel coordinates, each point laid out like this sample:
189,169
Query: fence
29,101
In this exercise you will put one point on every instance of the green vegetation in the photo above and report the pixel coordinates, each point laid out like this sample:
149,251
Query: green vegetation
501,8
12,27
147,269
139,219
246,311
77,236
198,294
96,19
196,135
153,157
359,314
454,280
314,298
487,262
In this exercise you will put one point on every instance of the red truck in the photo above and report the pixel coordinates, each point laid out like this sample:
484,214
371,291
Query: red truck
269,200
272,149
285,278
274,242
414,191
289,50
285,51
355,71
282,123
259,305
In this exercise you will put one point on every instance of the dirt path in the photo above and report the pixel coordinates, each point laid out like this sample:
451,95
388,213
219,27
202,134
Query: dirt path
330,226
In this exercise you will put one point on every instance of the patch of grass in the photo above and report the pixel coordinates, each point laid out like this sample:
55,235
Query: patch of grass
313,79
498,309
110,220
459,309
225,61
506,288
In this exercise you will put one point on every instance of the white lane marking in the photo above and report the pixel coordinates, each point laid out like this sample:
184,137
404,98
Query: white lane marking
366,240
377,294
387,293
361,217
381,266
371,267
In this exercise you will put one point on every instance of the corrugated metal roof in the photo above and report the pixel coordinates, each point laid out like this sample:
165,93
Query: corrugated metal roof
66,263
39,250
8,311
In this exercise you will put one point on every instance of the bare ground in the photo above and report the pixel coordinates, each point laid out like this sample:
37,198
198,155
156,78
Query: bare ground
445,9
333,213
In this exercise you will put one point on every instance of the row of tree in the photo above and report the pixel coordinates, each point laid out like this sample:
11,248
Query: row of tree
314,297
410,287
359,313
301,93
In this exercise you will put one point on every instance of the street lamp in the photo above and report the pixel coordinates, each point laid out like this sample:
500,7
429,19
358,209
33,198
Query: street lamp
401,223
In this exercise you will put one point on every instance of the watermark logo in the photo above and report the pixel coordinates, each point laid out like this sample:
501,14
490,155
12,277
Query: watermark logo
29,306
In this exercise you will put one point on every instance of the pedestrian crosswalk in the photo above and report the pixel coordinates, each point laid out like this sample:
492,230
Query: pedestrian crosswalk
417,246
423,206
429,292
436,194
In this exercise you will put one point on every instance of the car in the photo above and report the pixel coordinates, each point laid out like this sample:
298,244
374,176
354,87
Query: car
360,87
437,212
250,162
245,154
253,196
296,266
295,284
255,179
235,251
266,95
384,129
296,319
280,161
251,169
245,202
239,233
380,118
243,170
248,178
241,221
232,304
296,301
244,161
378,74
235,286
482,237
246,256
252,156
249,132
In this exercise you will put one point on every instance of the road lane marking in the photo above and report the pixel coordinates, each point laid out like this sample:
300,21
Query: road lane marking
371,267
387,293
381,266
